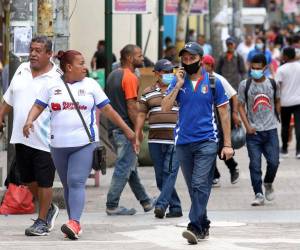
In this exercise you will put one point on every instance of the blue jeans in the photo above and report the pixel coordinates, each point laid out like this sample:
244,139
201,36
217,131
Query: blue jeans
125,171
165,175
197,161
266,143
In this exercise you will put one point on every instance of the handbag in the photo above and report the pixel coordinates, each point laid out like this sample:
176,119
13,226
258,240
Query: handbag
17,200
99,153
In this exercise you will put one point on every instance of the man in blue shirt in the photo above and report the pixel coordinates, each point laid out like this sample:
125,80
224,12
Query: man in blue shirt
196,133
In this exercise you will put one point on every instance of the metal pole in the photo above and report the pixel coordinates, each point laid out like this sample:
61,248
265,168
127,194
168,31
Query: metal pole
108,36
160,28
138,30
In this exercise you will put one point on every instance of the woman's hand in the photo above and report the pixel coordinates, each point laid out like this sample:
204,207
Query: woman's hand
28,128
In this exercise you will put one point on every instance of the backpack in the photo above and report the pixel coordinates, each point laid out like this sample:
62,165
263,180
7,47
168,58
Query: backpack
248,83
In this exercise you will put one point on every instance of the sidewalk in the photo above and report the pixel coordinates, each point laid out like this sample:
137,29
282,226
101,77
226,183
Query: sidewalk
236,225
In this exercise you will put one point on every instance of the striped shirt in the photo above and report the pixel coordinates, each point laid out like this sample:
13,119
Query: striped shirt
161,124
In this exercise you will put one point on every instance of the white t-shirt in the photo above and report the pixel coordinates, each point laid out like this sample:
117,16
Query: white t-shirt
244,50
229,90
21,94
67,129
288,75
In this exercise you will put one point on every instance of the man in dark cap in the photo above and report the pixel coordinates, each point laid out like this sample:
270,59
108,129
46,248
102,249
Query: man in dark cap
231,65
161,139
196,135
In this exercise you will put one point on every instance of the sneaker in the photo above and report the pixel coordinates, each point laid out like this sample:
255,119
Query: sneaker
71,229
193,236
259,200
284,153
120,211
234,176
174,214
216,182
149,205
51,216
269,191
39,228
298,155
159,212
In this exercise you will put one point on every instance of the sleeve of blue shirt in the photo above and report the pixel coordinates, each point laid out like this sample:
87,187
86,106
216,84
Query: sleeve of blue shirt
220,95
268,57
171,86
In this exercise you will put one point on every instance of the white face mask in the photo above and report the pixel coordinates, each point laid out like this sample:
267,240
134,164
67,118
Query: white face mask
259,46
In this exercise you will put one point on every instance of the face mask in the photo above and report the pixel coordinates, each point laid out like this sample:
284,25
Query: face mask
259,46
167,78
191,68
257,73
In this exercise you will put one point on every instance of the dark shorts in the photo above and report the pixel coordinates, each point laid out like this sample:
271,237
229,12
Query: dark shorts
35,165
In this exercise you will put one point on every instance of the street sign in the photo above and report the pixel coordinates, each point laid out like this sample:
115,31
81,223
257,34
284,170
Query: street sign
130,6
198,7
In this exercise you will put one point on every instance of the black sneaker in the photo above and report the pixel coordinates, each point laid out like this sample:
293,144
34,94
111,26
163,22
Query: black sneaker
159,212
234,176
39,228
51,216
193,236
148,206
174,214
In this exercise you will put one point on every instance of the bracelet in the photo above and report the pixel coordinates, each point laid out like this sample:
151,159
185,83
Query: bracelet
225,146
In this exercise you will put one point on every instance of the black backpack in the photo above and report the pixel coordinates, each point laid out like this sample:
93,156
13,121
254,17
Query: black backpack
248,83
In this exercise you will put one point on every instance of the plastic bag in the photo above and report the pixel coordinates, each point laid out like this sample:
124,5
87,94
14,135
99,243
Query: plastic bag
238,137
17,200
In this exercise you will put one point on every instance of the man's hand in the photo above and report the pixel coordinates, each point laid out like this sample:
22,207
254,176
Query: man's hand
137,146
236,119
2,125
180,78
227,153
250,130
27,129
130,135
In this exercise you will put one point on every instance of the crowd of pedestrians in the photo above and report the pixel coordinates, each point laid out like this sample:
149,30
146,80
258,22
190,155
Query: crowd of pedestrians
191,109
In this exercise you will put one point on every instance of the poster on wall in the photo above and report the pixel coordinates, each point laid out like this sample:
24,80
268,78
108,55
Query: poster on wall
130,6
198,7
22,39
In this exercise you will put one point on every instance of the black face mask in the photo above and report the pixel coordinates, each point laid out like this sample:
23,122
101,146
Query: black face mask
191,68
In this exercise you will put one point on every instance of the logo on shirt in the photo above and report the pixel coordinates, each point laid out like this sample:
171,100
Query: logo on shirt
71,106
81,92
204,89
55,106
261,103
57,92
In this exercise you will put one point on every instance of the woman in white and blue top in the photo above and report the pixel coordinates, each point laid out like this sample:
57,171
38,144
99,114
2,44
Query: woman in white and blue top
71,149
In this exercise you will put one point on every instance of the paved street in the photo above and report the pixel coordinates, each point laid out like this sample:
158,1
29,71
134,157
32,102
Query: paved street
236,225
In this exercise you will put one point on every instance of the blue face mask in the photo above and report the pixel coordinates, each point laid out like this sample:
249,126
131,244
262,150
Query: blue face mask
257,73
259,46
167,78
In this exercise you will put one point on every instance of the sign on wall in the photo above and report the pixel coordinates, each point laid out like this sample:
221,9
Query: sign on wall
198,7
130,6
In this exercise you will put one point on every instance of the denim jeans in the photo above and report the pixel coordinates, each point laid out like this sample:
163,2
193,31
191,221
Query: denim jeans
266,143
166,175
197,162
125,171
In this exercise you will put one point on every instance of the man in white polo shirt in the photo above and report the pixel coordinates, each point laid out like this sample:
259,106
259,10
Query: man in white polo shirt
33,154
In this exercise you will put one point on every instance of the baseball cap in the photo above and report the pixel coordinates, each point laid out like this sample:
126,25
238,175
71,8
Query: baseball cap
193,48
208,59
163,65
230,40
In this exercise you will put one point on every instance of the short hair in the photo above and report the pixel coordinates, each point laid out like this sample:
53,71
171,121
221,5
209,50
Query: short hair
128,50
289,52
101,43
45,40
168,39
259,58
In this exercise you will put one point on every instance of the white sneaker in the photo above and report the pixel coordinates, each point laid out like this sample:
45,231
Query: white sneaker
216,182
259,200
269,191
298,156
